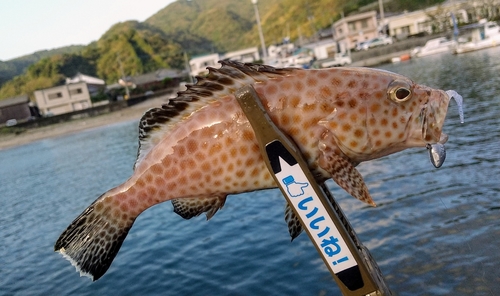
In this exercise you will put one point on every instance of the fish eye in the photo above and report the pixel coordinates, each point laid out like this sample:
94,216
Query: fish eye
399,91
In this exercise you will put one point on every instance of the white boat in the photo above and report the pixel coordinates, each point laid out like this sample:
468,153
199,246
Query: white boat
482,35
435,46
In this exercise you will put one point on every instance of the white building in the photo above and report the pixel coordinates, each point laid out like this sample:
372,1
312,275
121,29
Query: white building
94,84
199,64
247,55
323,49
63,99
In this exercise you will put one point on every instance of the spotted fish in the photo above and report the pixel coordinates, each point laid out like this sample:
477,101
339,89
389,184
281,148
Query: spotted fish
200,147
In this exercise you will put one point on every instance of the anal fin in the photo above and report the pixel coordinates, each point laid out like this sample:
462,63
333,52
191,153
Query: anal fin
191,207
293,222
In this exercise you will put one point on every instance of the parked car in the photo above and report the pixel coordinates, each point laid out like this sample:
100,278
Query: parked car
340,60
11,122
378,41
361,45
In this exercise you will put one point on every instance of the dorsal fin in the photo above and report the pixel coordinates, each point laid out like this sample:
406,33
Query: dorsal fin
218,83
188,208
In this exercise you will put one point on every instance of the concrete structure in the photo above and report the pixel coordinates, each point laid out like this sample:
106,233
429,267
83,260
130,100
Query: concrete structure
247,55
63,99
355,28
17,108
199,64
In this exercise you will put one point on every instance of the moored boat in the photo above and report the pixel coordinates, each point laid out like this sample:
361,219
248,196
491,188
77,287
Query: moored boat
481,35
435,46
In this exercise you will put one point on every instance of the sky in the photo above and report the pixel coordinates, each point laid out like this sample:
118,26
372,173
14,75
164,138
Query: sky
27,26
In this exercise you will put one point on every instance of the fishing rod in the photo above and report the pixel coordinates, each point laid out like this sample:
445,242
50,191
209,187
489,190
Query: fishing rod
348,260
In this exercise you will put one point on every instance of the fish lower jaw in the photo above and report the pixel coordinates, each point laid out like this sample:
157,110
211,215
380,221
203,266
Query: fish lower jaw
443,138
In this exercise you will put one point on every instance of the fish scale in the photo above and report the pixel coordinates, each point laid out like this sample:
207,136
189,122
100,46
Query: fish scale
200,147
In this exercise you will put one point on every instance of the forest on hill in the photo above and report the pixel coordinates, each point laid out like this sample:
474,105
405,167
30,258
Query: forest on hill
190,27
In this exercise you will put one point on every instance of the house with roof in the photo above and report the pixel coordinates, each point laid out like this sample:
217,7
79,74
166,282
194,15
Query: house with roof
355,28
94,84
63,99
152,81
18,108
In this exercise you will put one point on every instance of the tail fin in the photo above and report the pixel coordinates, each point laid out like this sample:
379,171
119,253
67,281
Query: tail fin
92,241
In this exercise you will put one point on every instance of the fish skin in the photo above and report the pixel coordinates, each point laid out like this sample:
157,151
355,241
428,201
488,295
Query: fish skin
200,147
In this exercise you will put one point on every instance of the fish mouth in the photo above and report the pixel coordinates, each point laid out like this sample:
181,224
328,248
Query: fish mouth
432,117
437,151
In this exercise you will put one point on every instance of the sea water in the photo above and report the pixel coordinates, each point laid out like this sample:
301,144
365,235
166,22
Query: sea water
434,232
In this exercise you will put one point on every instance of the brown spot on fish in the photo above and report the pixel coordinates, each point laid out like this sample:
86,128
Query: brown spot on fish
312,82
326,92
336,82
296,119
346,127
271,89
285,119
299,86
309,108
224,158
233,152
374,108
295,101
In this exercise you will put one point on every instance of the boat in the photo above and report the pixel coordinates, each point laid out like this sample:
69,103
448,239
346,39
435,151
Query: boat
481,35
435,46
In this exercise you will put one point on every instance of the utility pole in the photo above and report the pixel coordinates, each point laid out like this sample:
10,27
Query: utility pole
381,8
259,27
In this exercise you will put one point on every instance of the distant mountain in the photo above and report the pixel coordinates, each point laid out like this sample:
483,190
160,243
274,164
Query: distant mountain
134,48
130,48
224,25
14,67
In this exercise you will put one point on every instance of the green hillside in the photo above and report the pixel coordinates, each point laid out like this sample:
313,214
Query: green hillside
133,47
224,25
185,26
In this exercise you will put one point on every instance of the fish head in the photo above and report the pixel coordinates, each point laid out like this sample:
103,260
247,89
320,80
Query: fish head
382,113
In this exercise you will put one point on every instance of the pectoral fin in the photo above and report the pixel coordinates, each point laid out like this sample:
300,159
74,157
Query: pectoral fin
293,222
345,175
188,208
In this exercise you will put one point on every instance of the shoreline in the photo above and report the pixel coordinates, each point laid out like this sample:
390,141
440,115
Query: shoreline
65,128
